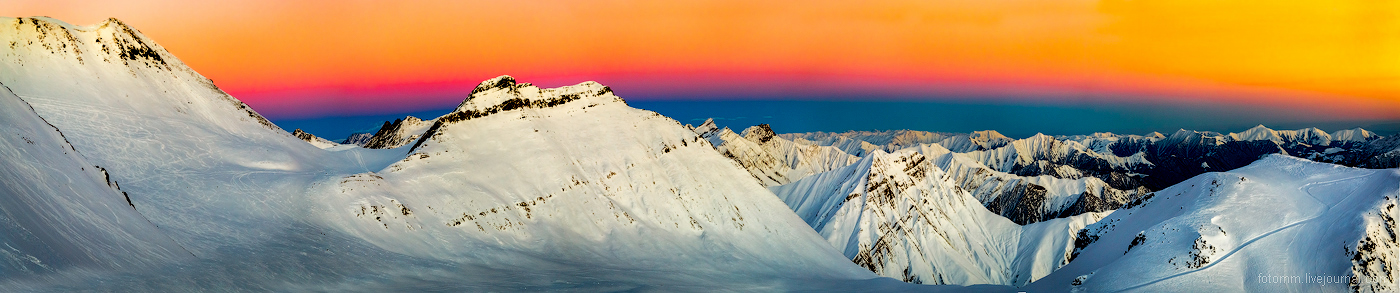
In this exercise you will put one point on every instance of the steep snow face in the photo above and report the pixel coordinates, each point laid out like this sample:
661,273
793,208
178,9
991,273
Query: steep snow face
58,211
771,159
173,139
313,139
211,174
899,215
1279,224
398,133
574,176
891,213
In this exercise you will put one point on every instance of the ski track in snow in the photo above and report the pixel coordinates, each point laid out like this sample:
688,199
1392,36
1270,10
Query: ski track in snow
1305,189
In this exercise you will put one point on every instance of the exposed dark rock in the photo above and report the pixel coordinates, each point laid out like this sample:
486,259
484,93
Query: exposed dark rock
303,135
760,133
506,82
392,134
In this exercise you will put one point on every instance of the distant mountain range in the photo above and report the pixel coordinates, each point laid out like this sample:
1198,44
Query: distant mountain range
1028,181
126,170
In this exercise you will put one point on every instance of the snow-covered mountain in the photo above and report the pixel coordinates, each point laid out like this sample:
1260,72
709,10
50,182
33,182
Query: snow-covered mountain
520,188
1119,167
1034,182
398,133
1279,224
771,159
123,168
901,216
859,142
629,187
1035,197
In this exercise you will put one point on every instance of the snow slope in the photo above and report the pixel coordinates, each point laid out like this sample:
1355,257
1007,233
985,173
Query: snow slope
1263,227
901,216
574,175
314,140
46,181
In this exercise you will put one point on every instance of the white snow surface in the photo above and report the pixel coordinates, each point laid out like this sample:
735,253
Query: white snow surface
586,194
900,215
1245,229
46,181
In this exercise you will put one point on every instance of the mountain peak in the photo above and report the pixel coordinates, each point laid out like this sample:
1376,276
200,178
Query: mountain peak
706,127
503,93
1257,133
397,133
1354,134
987,135
761,133
499,82
112,22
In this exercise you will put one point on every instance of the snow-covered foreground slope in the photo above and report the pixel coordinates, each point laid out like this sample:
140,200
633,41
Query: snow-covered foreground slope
60,213
519,189
901,216
1279,224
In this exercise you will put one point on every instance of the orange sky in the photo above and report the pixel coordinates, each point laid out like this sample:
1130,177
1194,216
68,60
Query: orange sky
1339,58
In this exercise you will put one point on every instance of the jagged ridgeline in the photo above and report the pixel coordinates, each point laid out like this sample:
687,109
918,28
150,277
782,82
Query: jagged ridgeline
1046,177
879,196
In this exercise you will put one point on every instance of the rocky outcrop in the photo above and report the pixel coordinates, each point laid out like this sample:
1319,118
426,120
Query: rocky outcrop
398,133
358,139
313,139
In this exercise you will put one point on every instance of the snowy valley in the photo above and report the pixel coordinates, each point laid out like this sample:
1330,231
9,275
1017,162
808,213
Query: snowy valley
124,169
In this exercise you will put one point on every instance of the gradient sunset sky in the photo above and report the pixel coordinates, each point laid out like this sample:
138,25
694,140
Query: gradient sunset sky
1332,60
